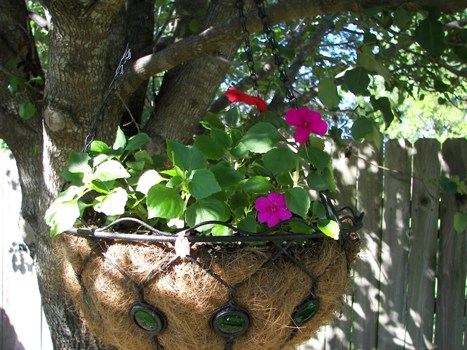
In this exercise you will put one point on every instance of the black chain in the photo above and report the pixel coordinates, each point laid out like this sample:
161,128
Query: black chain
100,114
246,40
275,50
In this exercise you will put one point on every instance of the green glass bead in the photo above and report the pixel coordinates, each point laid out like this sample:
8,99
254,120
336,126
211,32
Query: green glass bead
148,318
305,312
230,321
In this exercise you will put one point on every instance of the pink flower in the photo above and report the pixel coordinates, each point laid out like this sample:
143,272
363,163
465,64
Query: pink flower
306,121
235,95
272,209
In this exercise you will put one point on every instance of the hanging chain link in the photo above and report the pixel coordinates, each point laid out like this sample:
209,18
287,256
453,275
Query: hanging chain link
100,114
247,45
275,50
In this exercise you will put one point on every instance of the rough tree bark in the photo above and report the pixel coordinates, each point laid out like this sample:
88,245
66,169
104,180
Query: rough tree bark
86,40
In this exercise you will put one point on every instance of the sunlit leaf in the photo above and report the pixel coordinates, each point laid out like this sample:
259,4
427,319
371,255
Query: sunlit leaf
329,228
62,215
164,202
147,180
113,203
110,170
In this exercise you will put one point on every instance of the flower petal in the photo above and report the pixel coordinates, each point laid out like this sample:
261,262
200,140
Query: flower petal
302,134
284,213
310,116
277,199
319,127
261,104
292,117
264,216
273,220
235,95
263,204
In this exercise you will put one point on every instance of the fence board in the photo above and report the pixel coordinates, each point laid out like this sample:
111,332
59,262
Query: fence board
423,244
394,252
367,267
345,173
450,305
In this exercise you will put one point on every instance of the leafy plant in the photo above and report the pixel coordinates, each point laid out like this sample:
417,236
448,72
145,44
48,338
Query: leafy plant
242,172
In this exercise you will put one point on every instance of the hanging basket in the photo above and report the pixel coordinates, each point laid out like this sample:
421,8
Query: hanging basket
135,292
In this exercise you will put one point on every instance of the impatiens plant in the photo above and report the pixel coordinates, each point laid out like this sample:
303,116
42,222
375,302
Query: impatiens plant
250,173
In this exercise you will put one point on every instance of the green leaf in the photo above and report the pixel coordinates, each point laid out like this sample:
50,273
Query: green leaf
138,165
402,18
320,159
221,137
360,128
113,203
357,80
298,201
102,187
384,105
209,147
62,215
318,209
206,210
185,157
280,160
110,170
78,163
317,182
430,35
164,202
27,110
226,175
327,93
460,221
120,140
367,60
193,25
261,137
137,142
257,185
147,180
232,117
203,183
249,223
211,121
221,230
300,227
448,185
99,147
329,178
329,228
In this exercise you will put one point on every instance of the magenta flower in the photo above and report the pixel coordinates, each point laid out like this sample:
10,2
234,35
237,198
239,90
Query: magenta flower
306,121
272,209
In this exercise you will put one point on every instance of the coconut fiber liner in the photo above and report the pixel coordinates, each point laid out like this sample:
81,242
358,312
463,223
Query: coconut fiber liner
103,278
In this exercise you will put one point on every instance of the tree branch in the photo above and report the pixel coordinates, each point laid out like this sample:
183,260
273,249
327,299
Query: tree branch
207,42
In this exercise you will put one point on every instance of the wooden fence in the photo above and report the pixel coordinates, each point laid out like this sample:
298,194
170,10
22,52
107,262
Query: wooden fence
409,282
